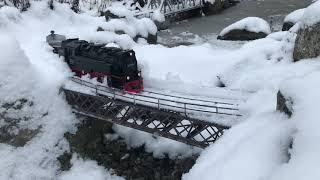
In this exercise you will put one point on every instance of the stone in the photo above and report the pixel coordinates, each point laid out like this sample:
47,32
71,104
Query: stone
307,43
218,6
100,29
242,35
119,32
109,15
287,26
162,25
11,132
151,39
283,104
89,143
64,161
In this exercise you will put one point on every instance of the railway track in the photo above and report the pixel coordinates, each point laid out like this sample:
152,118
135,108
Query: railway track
191,120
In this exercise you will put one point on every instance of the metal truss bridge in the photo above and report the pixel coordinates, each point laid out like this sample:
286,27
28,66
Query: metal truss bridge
171,8
178,118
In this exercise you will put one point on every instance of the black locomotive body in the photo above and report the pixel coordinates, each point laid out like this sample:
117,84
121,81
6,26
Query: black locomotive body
119,67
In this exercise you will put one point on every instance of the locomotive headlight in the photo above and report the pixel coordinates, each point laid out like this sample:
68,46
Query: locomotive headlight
128,78
139,74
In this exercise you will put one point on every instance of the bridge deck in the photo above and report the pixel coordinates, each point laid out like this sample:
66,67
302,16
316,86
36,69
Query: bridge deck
187,120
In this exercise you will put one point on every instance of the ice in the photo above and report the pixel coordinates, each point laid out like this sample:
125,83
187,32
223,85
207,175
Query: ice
252,24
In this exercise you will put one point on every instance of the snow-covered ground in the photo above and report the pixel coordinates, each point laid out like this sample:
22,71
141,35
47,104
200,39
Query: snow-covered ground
257,148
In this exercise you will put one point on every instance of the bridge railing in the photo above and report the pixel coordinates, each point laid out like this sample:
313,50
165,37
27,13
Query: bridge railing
184,105
168,7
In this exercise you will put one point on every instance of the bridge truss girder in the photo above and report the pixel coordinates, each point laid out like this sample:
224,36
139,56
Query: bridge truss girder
161,122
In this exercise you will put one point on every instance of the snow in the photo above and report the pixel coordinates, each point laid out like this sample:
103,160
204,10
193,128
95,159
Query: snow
86,170
251,24
52,116
295,16
311,15
120,11
30,71
256,148
131,26
158,16
304,153
9,15
158,146
128,23
250,151
259,147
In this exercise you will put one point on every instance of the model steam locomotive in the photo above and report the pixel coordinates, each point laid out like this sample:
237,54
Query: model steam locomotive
118,67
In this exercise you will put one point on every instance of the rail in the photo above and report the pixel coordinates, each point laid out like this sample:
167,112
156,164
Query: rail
187,108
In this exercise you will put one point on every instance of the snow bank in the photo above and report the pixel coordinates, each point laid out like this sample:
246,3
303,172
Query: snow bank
9,15
252,24
175,64
263,60
49,117
20,71
295,16
249,151
30,71
311,15
305,149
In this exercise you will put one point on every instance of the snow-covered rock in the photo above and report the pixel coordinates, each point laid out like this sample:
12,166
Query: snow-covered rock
122,21
308,39
311,15
249,28
292,18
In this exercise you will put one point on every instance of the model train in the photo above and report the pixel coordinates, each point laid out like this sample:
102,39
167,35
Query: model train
117,66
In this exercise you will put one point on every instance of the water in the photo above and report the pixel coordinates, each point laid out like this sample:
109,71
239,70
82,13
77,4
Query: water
208,27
